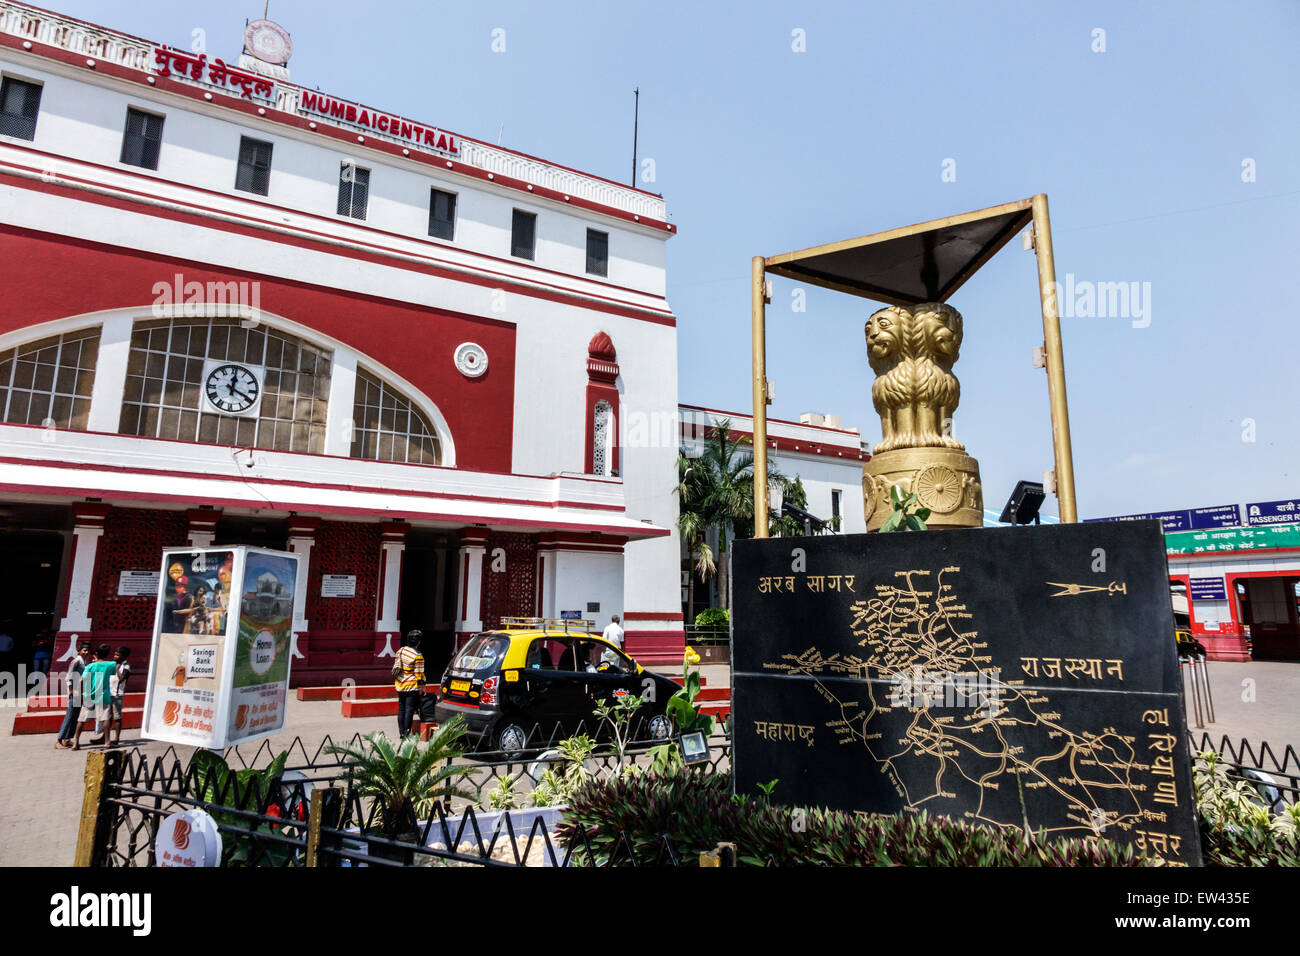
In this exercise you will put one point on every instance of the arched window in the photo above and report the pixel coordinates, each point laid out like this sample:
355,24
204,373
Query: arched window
602,407
600,457
170,383
48,382
388,427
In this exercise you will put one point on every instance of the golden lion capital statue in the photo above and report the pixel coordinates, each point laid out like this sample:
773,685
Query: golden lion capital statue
912,352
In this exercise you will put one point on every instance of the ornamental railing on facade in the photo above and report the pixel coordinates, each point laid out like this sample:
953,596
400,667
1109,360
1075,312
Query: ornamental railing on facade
106,46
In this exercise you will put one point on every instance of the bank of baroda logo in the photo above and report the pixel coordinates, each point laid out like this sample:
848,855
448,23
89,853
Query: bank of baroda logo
181,834
171,710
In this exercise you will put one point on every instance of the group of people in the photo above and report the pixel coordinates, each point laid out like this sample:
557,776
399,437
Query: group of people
96,694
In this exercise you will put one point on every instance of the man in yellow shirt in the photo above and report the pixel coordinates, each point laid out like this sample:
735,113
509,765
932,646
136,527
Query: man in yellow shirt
408,681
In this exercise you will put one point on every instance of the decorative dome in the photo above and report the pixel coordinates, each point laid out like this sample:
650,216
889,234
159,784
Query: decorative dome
601,347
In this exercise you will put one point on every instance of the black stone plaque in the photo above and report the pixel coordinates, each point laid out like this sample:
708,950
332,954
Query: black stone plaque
1011,676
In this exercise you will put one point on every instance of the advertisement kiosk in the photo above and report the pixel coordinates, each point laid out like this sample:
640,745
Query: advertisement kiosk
222,639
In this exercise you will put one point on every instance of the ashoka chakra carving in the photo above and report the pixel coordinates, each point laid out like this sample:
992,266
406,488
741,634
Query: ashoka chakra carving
938,488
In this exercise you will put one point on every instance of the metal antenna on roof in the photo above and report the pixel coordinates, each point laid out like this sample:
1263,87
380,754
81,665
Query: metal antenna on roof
636,123
501,132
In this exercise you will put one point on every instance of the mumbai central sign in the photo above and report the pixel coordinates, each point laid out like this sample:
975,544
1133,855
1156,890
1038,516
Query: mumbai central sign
417,134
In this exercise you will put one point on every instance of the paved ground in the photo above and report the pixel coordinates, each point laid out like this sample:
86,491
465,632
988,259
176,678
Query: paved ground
40,788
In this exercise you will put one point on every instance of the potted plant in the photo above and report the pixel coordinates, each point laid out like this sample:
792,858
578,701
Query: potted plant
406,780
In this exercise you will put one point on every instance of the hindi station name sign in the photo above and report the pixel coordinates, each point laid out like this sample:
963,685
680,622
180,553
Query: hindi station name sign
1005,676
223,636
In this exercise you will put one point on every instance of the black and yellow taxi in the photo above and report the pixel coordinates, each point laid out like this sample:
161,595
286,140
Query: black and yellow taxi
535,681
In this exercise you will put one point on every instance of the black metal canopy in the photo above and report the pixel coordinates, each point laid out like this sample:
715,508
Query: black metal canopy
926,262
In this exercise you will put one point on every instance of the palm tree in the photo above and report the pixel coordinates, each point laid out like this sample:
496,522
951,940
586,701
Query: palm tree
692,522
408,780
716,490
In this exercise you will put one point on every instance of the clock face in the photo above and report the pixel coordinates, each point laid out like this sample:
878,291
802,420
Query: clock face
232,388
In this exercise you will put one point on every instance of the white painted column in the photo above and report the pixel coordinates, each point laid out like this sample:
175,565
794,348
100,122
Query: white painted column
390,578
88,528
469,594
548,561
203,526
302,536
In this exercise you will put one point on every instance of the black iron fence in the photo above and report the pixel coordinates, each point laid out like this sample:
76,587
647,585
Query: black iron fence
1274,776
306,810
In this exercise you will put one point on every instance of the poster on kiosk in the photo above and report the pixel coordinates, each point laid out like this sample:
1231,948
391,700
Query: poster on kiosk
222,638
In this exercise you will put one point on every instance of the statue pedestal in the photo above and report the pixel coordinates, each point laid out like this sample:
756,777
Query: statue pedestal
945,480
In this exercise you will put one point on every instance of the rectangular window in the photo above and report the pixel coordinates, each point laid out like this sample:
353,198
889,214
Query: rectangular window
523,234
354,191
442,214
597,253
142,138
254,173
19,103
835,509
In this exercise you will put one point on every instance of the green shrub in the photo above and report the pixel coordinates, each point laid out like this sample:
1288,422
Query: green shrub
697,811
713,617
1237,829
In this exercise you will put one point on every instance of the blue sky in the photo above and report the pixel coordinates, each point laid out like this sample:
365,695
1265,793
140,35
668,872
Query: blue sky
760,149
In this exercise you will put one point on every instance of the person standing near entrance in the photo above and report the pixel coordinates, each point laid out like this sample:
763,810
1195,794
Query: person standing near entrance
408,681
42,651
614,634
117,706
73,681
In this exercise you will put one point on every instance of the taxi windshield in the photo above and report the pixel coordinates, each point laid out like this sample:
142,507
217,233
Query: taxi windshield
483,654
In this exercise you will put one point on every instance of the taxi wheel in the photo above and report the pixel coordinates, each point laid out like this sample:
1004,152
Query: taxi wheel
660,727
512,739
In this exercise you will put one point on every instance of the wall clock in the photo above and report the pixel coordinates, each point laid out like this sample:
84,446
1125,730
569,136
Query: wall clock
232,389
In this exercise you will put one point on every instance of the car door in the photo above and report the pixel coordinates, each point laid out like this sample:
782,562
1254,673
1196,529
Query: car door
608,674
555,687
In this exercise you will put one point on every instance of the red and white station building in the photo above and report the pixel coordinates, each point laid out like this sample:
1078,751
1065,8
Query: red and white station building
237,311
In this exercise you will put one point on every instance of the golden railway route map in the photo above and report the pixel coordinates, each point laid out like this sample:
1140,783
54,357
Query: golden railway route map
914,636
1018,702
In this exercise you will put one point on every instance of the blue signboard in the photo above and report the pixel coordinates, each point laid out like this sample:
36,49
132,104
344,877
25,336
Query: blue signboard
1119,518
1172,520
1194,519
1221,516
570,615
1208,589
1273,512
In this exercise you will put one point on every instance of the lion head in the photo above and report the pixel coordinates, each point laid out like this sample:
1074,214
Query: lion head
940,328
885,330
